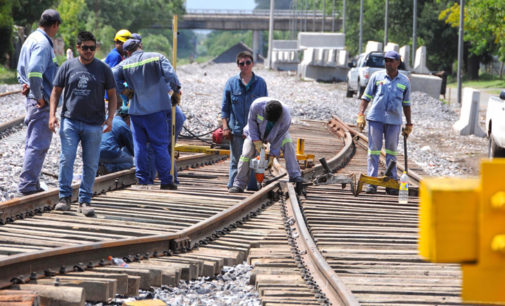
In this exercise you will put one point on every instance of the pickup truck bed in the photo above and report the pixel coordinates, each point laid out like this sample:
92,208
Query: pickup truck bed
495,126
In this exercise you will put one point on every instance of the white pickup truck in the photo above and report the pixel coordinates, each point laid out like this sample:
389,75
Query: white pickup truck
495,125
360,73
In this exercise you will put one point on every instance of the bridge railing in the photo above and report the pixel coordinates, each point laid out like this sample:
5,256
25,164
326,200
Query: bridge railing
256,12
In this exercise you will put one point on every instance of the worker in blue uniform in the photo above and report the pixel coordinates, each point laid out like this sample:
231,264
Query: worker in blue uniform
239,93
117,54
268,122
389,92
116,148
151,77
36,70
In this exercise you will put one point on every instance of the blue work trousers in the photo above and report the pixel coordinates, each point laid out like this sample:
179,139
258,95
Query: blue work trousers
152,129
37,142
71,133
249,152
236,144
121,162
377,131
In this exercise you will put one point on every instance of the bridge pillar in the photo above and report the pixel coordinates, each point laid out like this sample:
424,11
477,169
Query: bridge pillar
257,44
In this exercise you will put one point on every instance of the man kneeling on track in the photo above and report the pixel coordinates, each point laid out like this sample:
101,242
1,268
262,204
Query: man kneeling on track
268,122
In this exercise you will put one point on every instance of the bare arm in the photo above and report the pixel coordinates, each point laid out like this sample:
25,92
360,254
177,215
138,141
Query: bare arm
53,104
363,106
406,112
111,93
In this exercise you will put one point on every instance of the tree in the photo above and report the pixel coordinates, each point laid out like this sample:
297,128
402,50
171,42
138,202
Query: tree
26,12
6,24
72,14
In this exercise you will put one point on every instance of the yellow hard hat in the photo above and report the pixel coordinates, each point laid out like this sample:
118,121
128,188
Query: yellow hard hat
123,35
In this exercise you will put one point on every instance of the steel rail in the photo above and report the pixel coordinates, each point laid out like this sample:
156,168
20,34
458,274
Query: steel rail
358,135
8,93
9,124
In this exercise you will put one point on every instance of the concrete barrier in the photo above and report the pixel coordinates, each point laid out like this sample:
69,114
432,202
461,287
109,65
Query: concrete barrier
321,40
426,83
391,47
405,54
468,123
323,64
285,55
420,61
372,46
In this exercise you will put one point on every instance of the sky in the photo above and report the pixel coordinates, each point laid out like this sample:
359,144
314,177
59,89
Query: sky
221,4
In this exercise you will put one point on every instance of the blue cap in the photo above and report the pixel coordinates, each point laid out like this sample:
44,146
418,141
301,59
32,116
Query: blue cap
393,55
130,44
137,36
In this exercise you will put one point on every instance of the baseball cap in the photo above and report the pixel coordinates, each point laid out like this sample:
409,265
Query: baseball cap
137,36
393,55
130,44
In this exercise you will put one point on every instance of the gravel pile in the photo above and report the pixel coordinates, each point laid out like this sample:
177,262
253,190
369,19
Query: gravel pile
433,144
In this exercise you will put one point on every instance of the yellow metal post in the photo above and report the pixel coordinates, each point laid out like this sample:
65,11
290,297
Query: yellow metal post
174,64
300,146
463,221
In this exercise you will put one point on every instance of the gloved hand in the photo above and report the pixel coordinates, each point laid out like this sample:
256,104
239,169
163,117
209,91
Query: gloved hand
258,144
361,122
176,98
407,130
270,161
129,93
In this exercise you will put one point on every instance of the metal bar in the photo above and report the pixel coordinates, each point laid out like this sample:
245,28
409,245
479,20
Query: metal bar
460,47
386,16
270,33
360,26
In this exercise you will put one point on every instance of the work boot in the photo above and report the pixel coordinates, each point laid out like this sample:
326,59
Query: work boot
371,189
299,179
391,191
235,189
169,186
63,204
86,209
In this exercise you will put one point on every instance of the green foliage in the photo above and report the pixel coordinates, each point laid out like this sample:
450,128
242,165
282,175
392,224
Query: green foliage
27,12
72,14
6,24
8,76
219,41
157,43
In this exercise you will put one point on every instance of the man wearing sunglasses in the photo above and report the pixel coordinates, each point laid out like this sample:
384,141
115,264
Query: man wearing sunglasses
82,118
389,92
239,93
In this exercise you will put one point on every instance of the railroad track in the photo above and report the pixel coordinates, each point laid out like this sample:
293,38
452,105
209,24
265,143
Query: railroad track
9,123
326,247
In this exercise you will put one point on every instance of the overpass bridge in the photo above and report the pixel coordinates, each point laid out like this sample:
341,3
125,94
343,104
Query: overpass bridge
257,21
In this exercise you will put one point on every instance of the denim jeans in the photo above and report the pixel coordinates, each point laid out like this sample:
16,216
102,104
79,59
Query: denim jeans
38,140
122,162
71,133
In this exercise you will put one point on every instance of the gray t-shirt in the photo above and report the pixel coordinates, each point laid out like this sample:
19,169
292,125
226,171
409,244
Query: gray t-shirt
84,87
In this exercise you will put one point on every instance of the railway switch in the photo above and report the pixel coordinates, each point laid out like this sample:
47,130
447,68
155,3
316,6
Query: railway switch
462,220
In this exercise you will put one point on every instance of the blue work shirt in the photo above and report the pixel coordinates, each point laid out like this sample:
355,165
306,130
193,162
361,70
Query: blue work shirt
151,76
388,97
37,65
237,100
119,137
113,58
257,124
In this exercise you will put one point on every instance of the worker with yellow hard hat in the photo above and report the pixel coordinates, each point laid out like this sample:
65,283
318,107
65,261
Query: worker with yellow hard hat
116,55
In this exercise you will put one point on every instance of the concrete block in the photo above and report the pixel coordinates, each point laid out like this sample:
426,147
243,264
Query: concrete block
321,40
405,54
420,61
468,122
145,275
373,46
284,44
426,83
391,47
342,58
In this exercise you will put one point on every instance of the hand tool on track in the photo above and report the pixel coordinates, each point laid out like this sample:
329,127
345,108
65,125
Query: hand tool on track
387,180
329,178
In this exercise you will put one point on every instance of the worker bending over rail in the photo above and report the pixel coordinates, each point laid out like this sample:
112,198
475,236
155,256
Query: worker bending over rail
268,122
151,77
389,92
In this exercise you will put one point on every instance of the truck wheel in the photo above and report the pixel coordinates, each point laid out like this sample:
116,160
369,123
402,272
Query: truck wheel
493,150
348,92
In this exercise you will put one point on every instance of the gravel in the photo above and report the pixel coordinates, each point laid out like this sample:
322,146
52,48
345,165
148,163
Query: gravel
433,144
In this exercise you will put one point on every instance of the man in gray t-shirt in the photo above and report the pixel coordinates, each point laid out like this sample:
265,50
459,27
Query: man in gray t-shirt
82,117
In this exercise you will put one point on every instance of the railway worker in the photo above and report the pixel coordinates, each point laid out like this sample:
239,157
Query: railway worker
239,93
116,148
151,77
85,79
268,122
36,70
117,54
389,92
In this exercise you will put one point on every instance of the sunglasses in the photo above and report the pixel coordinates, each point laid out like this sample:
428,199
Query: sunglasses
86,48
244,63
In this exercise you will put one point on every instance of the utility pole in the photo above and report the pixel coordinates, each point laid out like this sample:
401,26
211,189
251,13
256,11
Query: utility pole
343,16
414,34
324,14
460,46
386,16
270,33
333,17
360,26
